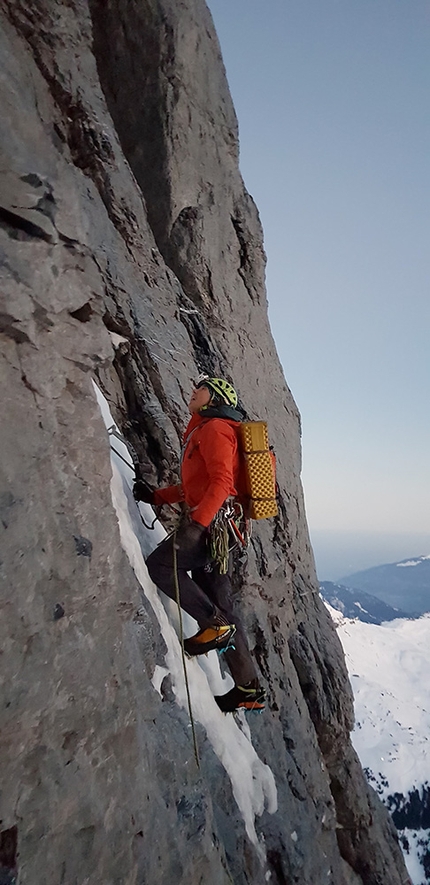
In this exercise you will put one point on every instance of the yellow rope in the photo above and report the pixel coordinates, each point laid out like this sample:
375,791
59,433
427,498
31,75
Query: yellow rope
181,637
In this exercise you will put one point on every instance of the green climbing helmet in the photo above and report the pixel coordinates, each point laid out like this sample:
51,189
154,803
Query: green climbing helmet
222,389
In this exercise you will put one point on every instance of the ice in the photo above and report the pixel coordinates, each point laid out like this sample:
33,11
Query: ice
159,674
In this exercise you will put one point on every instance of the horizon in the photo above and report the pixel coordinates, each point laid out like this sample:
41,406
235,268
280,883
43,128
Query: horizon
339,554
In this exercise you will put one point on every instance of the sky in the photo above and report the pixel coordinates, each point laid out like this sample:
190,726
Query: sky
332,98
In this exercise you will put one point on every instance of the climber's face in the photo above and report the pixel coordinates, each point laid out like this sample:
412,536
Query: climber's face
200,397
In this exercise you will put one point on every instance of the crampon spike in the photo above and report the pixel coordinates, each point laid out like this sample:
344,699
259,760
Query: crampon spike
222,651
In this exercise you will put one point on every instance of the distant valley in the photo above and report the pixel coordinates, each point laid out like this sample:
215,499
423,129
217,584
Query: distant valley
403,585
358,604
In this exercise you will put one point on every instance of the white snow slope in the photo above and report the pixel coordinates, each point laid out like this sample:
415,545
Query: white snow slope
389,667
252,781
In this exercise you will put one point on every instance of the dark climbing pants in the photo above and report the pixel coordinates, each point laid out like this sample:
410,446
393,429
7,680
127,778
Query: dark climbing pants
205,595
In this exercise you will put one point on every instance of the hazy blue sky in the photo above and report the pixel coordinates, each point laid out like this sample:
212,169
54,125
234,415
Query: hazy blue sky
333,100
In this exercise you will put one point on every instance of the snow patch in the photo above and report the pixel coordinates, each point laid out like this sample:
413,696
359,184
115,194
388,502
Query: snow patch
159,674
388,666
117,339
415,848
360,607
410,562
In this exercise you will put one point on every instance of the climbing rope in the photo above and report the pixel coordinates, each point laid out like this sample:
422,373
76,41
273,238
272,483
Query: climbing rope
181,638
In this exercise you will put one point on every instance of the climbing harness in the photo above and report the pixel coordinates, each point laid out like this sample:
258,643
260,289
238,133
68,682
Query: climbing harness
181,639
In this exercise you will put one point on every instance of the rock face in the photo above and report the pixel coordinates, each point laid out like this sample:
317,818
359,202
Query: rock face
122,210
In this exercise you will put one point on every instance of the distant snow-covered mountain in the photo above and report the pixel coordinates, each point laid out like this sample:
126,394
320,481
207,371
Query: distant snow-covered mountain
403,585
388,666
357,604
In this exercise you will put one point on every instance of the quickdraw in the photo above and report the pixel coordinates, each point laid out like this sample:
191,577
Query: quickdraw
228,529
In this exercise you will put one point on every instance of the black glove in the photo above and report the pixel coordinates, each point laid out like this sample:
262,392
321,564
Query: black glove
142,492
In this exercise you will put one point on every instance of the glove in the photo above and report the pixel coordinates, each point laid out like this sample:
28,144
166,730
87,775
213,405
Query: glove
142,492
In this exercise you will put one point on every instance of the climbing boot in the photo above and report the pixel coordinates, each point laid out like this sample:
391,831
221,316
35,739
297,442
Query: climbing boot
218,636
242,697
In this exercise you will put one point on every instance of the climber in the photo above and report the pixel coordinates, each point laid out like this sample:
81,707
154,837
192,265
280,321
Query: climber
209,469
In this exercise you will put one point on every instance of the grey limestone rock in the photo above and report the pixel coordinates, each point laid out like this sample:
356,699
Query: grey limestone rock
132,254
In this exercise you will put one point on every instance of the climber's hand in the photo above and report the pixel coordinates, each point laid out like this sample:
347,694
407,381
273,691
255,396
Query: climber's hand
143,492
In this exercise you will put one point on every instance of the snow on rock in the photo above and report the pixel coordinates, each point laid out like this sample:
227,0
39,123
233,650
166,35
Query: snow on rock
392,696
416,846
411,562
388,666
252,781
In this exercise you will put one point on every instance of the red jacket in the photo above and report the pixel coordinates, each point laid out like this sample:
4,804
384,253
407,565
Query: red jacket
210,467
